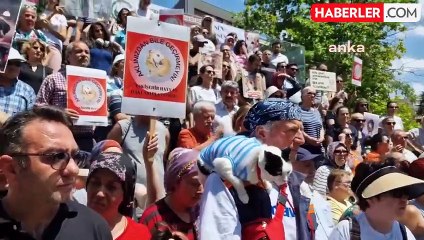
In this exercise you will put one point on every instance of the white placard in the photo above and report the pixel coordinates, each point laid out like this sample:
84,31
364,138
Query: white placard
357,71
222,30
323,81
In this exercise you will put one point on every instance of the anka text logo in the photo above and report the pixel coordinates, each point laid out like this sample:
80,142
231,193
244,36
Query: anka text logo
347,48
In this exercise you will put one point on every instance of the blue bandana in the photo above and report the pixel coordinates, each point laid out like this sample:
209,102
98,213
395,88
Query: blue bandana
269,111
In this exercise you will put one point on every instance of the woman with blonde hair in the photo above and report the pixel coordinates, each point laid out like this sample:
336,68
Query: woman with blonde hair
33,71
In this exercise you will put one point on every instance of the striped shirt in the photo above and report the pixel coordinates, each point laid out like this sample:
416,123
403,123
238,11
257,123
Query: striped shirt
321,176
16,98
312,123
235,149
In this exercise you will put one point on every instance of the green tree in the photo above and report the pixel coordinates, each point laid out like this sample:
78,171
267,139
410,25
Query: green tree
382,45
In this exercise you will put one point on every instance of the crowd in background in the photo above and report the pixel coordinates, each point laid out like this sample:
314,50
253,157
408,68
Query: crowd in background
146,185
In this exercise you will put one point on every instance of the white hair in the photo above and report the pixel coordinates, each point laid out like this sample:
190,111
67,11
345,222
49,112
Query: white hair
202,105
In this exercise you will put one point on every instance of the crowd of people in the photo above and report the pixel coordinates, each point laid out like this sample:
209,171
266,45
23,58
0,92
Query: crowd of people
60,181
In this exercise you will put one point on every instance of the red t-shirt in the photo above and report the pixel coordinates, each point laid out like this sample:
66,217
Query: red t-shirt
160,212
135,231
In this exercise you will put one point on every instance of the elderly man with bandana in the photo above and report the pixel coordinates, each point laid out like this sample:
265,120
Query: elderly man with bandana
223,216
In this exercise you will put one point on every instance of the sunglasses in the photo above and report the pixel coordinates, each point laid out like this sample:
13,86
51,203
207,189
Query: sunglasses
57,160
210,71
359,120
390,123
205,33
14,63
348,135
394,107
341,152
226,66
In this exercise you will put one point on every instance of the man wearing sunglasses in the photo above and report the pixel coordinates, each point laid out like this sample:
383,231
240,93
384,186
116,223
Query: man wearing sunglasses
400,142
357,120
392,109
38,157
15,95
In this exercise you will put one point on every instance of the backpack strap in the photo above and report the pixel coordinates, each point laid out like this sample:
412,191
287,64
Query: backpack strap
403,231
354,228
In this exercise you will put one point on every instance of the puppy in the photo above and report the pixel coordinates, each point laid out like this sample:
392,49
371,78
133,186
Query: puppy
239,158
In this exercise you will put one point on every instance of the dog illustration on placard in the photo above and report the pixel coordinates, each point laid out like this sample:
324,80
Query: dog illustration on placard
158,64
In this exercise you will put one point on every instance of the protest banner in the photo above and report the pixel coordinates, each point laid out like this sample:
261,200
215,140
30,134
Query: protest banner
87,95
357,71
222,30
371,123
214,59
9,12
173,16
252,41
253,85
323,81
156,65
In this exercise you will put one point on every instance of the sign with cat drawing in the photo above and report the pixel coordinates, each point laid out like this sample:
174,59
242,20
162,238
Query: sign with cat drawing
87,95
156,66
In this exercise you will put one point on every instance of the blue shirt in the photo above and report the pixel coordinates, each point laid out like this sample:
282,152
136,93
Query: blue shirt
16,98
121,37
101,58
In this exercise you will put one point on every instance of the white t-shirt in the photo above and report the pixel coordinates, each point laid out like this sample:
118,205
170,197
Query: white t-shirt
342,231
199,93
275,59
57,21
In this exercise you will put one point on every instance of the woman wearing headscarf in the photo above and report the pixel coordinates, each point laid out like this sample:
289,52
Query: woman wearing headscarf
178,209
337,158
110,192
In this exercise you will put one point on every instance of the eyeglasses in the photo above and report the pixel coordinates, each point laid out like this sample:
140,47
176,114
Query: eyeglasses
226,66
210,71
29,6
57,160
341,152
14,63
205,33
394,107
359,120
347,184
390,123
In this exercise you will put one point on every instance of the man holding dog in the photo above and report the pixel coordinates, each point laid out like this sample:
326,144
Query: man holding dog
223,216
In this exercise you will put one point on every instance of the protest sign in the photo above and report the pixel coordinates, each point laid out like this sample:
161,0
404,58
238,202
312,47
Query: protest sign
254,85
214,59
9,13
156,65
222,30
323,81
357,71
174,16
252,41
371,123
87,95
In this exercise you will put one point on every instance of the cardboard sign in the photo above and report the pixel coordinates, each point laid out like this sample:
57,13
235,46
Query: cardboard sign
357,71
214,59
87,95
254,86
8,18
371,123
173,16
156,68
323,81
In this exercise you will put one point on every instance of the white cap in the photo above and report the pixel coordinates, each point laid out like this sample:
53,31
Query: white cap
118,58
271,90
15,55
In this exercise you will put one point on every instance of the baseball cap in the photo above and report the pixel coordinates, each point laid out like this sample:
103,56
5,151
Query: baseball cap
200,38
15,55
118,58
271,90
305,155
